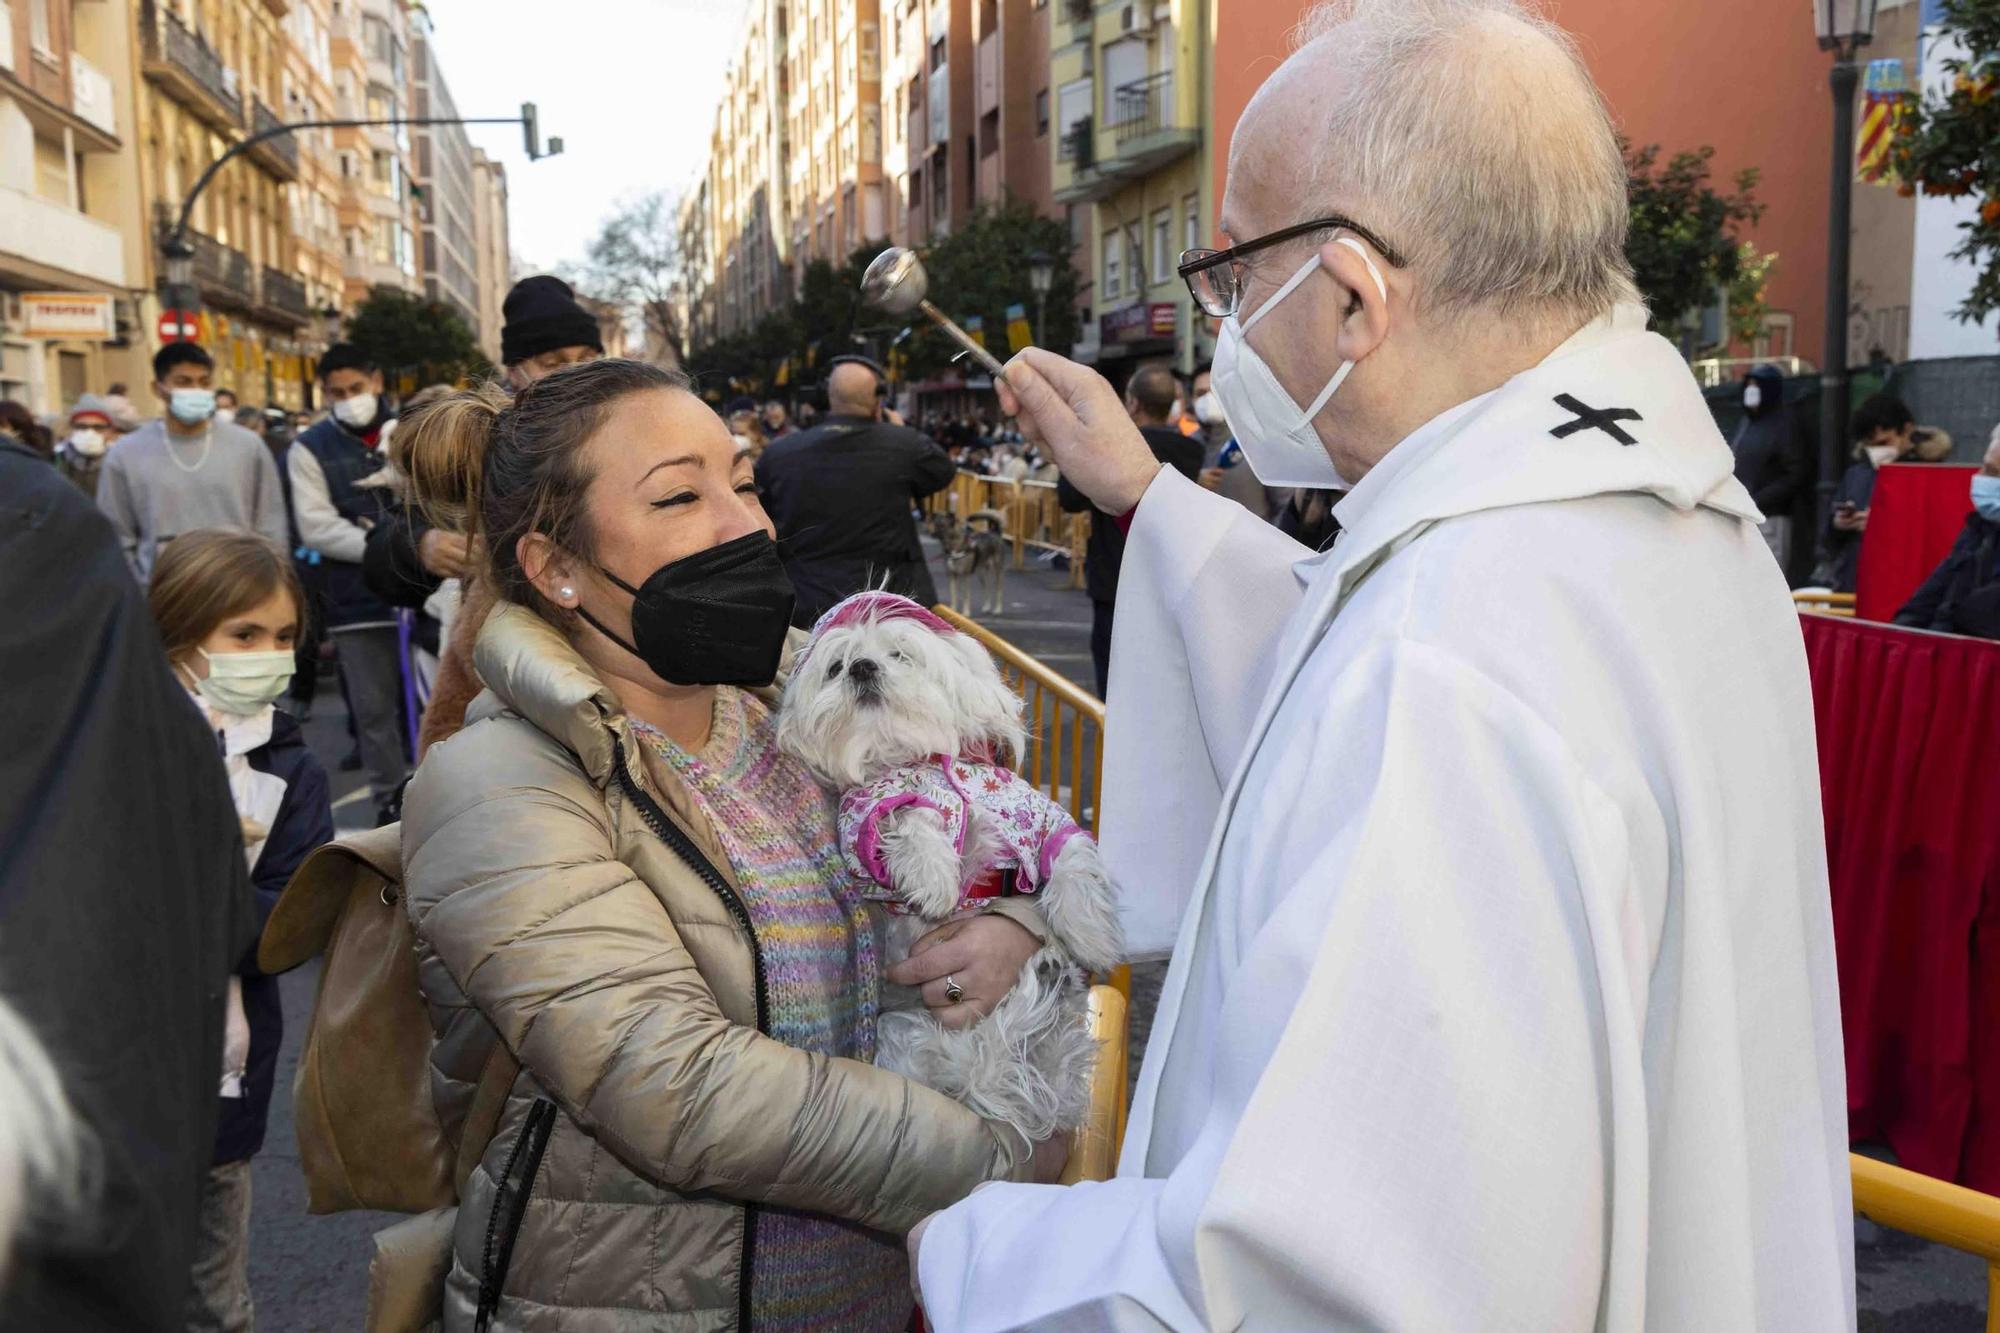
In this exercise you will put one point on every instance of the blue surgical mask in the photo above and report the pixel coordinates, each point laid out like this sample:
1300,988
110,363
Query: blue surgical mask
1986,497
191,407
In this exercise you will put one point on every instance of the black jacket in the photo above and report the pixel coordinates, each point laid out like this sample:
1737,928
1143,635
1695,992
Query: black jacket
394,570
124,901
1841,551
842,495
1106,552
1769,452
1962,595
304,822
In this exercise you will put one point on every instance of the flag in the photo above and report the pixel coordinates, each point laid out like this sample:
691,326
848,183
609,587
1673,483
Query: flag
1019,335
784,372
1883,94
975,328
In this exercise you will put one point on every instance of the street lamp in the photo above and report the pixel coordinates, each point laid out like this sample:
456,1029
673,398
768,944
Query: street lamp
1041,277
1843,27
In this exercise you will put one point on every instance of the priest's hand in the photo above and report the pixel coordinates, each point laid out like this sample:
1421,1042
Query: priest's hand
980,956
1078,419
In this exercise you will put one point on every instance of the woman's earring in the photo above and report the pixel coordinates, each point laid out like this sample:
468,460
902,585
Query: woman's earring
567,592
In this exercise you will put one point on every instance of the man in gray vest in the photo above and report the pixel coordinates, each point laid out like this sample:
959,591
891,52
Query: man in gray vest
339,491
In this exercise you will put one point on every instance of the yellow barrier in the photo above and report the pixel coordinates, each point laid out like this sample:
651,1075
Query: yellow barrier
1936,1210
1029,516
1825,603
1093,1153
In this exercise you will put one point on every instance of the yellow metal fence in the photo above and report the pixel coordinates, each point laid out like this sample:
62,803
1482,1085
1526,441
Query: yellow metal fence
1065,758
1030,517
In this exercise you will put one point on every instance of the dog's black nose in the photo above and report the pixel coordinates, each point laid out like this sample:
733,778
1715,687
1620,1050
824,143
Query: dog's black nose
863,671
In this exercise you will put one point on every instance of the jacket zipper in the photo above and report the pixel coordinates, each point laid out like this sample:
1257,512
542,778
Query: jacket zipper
683,846
510,1207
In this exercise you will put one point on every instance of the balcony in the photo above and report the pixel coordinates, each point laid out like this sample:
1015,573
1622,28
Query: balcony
282,299
90,95
279,154
59,242
189,70
222,272
1145,127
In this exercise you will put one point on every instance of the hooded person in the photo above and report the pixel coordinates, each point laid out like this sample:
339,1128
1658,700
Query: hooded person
127,905
1488,843
1768,456
543,329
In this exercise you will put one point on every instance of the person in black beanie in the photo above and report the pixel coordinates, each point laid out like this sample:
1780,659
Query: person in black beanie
544,330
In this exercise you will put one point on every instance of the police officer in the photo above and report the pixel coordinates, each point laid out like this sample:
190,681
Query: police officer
842,494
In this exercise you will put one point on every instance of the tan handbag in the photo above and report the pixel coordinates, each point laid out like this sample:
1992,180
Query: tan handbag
369,1136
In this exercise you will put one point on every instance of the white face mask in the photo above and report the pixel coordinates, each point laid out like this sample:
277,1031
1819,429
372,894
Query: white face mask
1277,437
1207,409
1753,395
357,411
245,684
88,442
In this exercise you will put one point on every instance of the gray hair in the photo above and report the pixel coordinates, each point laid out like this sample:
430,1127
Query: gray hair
1498,175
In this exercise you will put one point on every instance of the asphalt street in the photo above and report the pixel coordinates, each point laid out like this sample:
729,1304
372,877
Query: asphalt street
310,1274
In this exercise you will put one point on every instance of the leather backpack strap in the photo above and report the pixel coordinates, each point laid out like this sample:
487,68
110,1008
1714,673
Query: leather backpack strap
482,1118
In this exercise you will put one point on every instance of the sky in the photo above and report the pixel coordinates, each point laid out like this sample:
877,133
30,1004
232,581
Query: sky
630,86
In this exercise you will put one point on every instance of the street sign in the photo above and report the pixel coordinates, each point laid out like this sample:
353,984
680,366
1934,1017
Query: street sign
180,326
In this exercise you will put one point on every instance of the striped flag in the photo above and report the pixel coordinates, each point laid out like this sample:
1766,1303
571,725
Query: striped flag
1883,92
1019,335
975,328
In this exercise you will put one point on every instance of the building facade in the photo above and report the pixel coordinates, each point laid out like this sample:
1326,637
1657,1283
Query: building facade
447,250
492,255
371,63
72,229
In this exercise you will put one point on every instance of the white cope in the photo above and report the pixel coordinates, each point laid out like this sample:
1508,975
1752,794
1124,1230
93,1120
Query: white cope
1503,992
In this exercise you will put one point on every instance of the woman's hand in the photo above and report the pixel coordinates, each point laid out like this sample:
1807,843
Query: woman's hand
982,955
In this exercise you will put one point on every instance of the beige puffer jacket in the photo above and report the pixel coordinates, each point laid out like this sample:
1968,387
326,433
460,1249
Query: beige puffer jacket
650,1117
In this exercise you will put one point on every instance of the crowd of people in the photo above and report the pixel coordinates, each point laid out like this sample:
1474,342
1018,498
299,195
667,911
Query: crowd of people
1503,988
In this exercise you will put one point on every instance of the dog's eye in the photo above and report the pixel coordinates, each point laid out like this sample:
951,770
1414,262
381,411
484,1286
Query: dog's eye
832,670
897,654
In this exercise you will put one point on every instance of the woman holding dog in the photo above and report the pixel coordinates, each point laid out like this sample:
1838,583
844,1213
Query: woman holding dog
615,872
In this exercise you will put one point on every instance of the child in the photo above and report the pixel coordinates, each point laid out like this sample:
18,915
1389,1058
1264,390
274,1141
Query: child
228,605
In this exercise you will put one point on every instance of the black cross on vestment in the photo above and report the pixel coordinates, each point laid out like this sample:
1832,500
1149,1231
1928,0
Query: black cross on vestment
1594,418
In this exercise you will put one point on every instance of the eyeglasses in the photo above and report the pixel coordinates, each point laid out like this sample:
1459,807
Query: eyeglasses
1216,278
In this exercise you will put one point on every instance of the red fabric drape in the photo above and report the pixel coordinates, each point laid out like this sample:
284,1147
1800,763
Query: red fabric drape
1909,753
1913,518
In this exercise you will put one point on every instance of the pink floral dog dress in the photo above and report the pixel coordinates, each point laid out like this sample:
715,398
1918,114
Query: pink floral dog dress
1032,829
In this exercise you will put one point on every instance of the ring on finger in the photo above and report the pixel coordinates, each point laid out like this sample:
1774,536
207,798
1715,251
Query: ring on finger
953,991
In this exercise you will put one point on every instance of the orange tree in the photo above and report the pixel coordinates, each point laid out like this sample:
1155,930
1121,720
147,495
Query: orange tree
1948,143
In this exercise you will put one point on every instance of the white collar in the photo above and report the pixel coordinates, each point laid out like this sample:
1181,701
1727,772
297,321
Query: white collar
240,735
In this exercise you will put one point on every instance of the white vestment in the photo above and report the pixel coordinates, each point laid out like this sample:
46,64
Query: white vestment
1503,992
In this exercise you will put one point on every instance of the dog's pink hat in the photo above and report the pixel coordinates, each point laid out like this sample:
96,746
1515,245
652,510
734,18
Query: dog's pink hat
872,606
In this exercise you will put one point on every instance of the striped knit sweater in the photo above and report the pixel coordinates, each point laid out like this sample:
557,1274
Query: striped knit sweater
823,983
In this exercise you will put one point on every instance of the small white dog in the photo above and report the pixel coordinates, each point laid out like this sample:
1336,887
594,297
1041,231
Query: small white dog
906,715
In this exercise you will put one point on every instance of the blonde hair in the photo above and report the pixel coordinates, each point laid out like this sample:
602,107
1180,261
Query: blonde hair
203,578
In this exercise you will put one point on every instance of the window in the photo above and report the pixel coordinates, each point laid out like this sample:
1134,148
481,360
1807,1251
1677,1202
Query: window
1041,112
1163,237
1191,225
385,241
1072,107
38,29
1114,261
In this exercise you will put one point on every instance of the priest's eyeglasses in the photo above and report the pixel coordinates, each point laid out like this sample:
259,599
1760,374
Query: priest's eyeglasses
1216,278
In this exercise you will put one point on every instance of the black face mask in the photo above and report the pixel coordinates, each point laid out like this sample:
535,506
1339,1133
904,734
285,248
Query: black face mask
717,617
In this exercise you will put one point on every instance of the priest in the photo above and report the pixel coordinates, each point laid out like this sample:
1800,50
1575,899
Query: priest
1487,843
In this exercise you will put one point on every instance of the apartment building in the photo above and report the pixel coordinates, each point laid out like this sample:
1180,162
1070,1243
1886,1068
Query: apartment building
493,261
371,63
447,249
71,229
1129,159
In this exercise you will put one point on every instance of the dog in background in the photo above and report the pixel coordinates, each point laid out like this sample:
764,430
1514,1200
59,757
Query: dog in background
974,554
907,717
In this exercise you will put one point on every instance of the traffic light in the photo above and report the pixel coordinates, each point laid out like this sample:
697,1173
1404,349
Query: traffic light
531,130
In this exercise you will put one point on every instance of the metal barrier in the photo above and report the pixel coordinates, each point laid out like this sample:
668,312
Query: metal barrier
1935,1210
1825,603
1029,513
